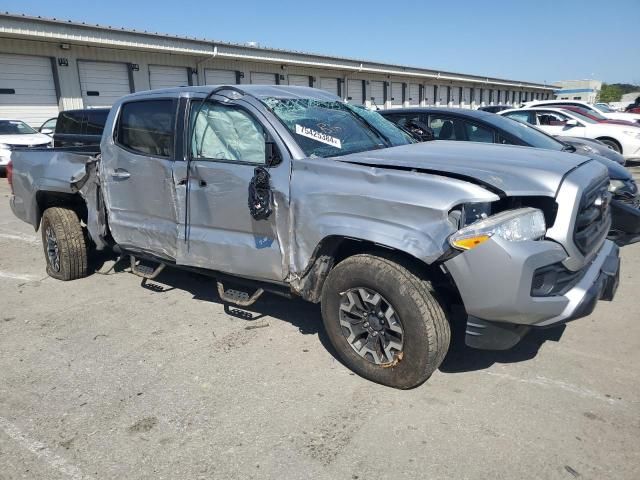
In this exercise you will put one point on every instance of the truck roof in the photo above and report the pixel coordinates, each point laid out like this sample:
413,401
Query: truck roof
260,91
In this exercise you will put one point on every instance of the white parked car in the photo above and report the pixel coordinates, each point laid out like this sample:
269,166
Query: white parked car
600,108
624,139
16,133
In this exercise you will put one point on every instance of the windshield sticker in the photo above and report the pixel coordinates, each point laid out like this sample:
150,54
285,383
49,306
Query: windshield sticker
318,136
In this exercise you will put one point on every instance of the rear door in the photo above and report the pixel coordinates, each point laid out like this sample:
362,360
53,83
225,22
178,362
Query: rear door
136,173
226,144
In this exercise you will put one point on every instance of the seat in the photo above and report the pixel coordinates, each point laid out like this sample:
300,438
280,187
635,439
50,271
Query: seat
446,131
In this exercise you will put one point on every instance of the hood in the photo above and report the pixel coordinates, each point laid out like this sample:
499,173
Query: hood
27,140
511,170
594,148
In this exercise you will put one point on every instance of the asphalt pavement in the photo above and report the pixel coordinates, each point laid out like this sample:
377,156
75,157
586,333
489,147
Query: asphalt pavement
107,378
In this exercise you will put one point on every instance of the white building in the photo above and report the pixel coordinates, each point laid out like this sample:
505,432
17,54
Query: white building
583,90
47,65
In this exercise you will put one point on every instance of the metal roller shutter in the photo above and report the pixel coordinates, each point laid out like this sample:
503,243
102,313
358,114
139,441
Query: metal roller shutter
167,77
354,92
27,89
263,78
329,84
102,83
299,80
414,95
396,94
219,77
377,94
466,96
455,96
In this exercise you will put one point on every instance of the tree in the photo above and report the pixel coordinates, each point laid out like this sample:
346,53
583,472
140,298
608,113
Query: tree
610,93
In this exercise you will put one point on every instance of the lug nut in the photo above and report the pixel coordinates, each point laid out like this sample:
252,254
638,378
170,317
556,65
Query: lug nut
375,334
366,324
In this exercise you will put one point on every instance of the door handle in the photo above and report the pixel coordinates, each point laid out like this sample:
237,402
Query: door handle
120,173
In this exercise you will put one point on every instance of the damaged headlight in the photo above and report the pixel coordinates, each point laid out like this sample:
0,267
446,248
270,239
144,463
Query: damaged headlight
512,225
616,185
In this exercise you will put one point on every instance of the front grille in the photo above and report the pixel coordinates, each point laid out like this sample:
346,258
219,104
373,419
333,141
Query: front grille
593,219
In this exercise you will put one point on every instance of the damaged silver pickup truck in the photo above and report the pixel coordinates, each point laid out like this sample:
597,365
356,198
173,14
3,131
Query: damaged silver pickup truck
292,191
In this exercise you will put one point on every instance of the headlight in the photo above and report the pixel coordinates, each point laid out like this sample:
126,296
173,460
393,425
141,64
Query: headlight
513,225
615,185
632,133
4,146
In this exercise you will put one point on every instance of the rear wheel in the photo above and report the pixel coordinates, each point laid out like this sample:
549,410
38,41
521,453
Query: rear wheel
63,240
612,144
385,323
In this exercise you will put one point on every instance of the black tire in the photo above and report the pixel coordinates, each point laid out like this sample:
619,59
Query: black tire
426,334
612,144
68,235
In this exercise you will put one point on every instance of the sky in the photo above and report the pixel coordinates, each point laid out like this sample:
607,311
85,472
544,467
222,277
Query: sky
538,41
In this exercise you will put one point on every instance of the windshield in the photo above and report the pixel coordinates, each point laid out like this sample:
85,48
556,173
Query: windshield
529,134
605,108
581,117
589,113
15,127
332,128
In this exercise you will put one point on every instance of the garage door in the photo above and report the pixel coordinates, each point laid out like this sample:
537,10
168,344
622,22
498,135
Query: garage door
396,94
263,78
414,95
466,96
455,96
219,77
102,83
354,92
330,85
167,77
299,80
27,90
377,94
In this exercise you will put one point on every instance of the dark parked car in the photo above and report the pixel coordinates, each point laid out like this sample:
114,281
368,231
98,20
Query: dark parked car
478,126
495,108
81,129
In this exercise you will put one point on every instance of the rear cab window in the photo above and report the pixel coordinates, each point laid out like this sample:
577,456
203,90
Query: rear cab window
147,127
96,120
70,123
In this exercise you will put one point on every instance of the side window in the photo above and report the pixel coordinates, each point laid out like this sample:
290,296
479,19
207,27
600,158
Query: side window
402,120
147,127
70,123
522,117
443,128
95,121
476,133
504,140
552,119
222,132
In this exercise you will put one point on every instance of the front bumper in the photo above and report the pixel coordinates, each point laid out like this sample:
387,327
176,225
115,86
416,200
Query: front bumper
495,279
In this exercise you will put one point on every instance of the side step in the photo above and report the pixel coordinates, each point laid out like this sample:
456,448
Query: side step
145,271
238,297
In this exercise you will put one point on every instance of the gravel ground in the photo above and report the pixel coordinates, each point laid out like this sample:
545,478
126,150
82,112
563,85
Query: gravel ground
103,378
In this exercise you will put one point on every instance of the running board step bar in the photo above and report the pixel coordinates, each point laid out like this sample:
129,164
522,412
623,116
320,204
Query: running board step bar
237,297
145,271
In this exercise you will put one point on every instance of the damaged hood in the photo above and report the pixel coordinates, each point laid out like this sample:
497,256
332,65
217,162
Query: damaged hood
510,169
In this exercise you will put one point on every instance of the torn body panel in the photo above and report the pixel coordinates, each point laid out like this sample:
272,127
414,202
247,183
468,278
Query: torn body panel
45,170
402,210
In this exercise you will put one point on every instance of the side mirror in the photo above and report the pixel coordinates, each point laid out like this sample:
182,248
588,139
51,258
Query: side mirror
46,131
272,155
571,123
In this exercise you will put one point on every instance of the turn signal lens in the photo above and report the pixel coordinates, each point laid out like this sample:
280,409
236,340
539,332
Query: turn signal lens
470,242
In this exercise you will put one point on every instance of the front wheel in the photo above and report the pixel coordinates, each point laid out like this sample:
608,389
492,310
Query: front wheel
65,249
385,323
612,144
